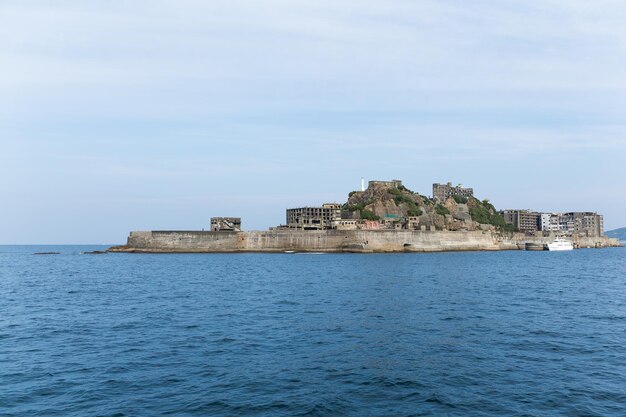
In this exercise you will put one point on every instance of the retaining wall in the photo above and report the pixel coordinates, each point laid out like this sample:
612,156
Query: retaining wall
336,241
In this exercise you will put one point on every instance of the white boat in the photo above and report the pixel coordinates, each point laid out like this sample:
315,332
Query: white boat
560,244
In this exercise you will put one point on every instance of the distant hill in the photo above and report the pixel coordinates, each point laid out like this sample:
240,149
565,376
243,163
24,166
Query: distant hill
618,233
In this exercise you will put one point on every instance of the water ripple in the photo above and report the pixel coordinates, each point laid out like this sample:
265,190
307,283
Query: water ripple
458,334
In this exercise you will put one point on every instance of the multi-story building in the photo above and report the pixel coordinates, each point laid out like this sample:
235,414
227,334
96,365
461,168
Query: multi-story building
583,223
523,220
527,221
593,223
314,218
565,223
442,192
549,222
226,224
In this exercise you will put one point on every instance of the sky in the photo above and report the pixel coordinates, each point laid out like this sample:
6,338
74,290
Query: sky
155,115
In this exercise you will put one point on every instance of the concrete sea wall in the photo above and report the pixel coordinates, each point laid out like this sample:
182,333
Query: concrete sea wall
578,241
331,241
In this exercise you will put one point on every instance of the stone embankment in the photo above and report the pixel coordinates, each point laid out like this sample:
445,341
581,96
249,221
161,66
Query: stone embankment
367,241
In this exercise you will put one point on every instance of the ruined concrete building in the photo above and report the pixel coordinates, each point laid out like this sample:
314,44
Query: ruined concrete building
388,184
226,224
581,223
442,192
314,218
523,220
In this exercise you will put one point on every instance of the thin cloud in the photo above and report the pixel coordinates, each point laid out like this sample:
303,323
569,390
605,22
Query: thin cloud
227,97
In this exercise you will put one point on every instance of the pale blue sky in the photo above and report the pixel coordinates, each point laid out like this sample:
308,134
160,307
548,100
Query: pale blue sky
139,115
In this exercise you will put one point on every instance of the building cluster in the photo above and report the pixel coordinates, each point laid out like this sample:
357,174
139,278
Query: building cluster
330,216
582,223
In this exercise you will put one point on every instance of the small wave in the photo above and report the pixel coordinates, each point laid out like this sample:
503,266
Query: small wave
439,400
225,315
414,395
541,332
127,325
287,303
609,317
387,382
329,408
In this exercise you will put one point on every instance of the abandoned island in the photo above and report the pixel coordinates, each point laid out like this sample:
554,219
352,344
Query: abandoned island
387,217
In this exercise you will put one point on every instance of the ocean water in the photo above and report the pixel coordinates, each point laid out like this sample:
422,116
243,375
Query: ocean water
459,334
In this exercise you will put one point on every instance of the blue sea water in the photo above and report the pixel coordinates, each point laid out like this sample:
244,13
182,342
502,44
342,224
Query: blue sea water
459,334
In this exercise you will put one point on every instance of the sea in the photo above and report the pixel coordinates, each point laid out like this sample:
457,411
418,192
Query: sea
511,333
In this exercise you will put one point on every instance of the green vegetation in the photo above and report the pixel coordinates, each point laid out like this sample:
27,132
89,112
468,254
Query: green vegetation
440,209
365,214
369,215
485,213
354,207
482,212
400,198
414,212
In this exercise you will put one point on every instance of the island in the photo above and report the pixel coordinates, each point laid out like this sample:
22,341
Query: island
387,217
617,233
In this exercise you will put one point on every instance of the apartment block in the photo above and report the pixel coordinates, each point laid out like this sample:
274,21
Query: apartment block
442,192
314,218
523,220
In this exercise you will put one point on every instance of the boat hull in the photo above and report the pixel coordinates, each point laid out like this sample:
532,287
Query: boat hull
559,247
